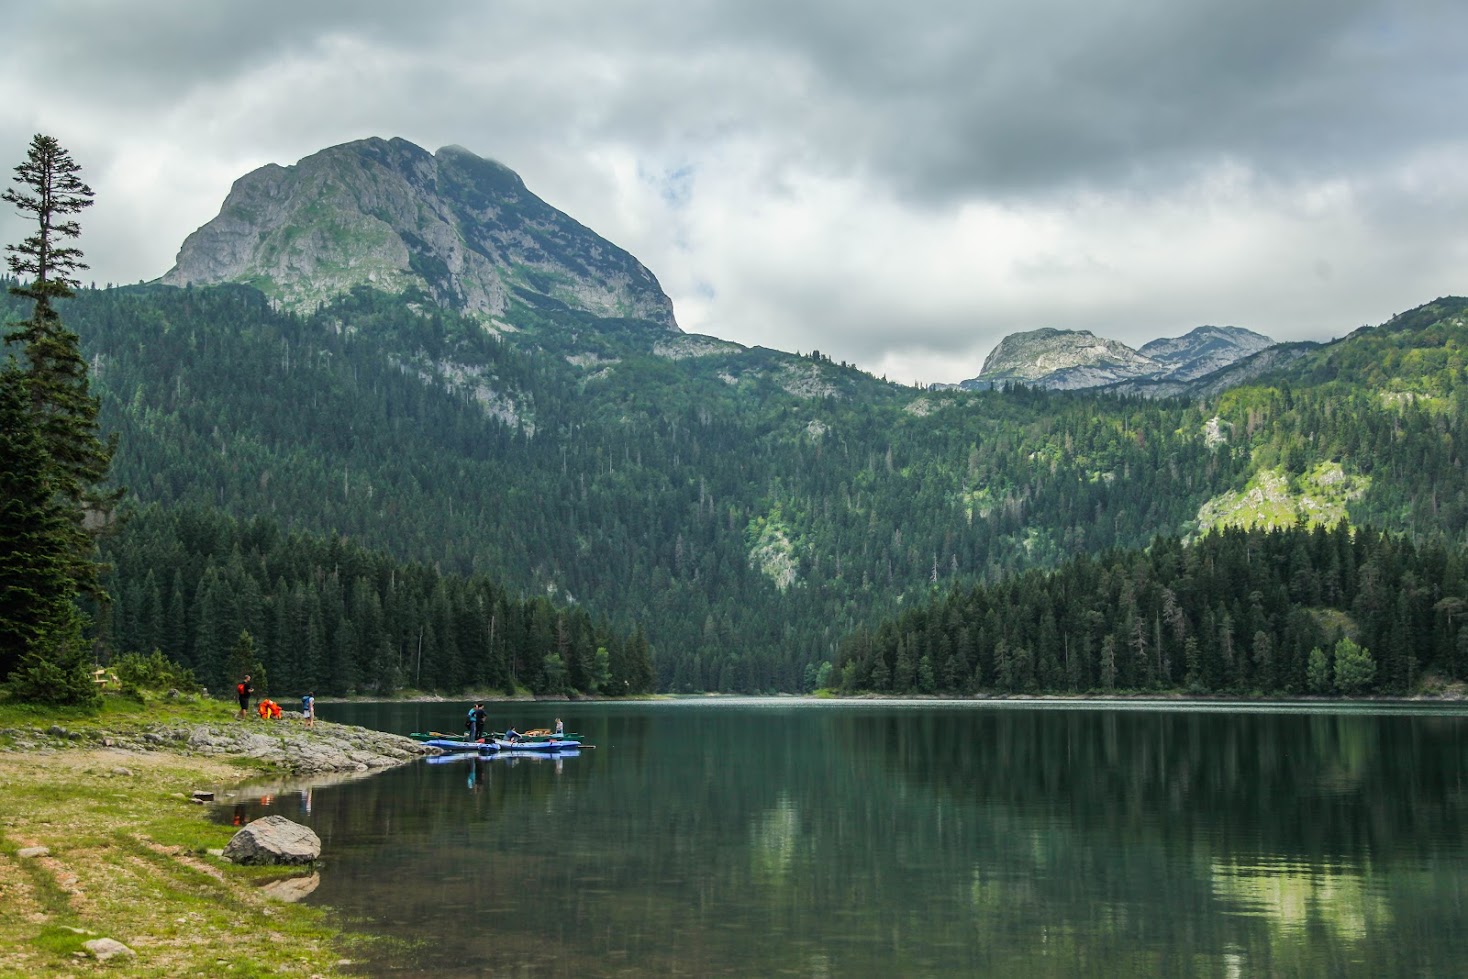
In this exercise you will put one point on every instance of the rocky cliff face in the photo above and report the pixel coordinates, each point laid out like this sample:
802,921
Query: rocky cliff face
1204,350
1062,359
388,214
1074,359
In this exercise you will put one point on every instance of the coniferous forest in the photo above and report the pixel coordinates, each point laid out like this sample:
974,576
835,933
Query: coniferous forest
384,495
1300,611
323,614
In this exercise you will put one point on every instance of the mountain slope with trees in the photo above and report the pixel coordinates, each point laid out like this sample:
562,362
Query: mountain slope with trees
746,508
1297,611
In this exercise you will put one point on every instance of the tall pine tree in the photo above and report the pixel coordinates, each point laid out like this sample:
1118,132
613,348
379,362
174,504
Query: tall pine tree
55,458
40,640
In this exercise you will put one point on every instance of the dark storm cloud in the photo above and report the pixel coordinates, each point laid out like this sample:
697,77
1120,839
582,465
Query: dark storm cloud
940,99
900,183
957,99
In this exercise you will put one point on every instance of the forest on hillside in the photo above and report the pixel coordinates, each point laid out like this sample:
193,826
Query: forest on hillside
324,614
1246,612
744,510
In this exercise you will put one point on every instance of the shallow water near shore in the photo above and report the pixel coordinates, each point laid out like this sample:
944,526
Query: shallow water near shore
780,837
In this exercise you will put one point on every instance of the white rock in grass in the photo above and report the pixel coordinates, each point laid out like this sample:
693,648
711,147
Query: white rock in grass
103,949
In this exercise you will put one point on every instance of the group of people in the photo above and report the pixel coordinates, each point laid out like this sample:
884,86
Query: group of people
475,725
269,710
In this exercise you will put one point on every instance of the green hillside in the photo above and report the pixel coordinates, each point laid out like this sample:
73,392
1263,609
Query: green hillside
746,508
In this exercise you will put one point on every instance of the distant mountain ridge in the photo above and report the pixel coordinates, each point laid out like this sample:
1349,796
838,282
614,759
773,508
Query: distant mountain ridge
1068,360
463,230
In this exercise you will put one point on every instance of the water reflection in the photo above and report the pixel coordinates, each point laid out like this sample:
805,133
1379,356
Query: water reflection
778,838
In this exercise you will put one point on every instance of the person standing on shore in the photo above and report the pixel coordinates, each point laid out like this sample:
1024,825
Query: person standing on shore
244,691
308,708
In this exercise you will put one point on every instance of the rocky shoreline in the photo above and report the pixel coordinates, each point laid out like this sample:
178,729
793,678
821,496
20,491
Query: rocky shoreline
284,745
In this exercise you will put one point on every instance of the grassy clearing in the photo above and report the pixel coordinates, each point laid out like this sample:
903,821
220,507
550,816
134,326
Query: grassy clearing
129,860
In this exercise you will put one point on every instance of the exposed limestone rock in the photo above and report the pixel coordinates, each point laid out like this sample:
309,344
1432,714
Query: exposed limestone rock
805,381
922,407
1074,359
287,746
104,949
1063,359
32,852
773,555
682,348
274,840
390,215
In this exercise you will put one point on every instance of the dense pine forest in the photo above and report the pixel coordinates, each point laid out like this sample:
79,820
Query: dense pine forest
742,511
1248,612
744,527
301,612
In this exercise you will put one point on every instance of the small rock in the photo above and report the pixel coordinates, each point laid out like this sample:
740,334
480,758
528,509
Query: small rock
57,731
200,795
29,852
122,771
103,949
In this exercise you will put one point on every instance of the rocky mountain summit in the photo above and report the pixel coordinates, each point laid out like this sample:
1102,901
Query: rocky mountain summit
1204,350
390,215
1073,359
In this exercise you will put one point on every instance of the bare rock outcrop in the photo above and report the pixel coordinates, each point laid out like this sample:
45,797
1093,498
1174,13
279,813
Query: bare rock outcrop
387,214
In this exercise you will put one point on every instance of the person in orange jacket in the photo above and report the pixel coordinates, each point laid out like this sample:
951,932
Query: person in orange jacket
275,711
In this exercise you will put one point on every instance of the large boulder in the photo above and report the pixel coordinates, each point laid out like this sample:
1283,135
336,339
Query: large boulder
274,840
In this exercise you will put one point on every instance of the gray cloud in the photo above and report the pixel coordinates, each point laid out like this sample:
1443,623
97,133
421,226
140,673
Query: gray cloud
931,174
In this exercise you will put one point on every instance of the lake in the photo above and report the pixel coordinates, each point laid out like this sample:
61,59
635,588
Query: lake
783,837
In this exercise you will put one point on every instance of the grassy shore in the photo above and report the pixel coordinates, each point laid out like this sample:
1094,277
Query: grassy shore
129,852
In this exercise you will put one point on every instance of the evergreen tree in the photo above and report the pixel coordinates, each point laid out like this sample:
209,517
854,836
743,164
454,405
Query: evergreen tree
1318,671
66,410
53,191
56,458
37,538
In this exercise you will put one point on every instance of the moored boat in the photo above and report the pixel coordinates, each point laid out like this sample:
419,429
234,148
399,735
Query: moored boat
549,745
461,745
530,736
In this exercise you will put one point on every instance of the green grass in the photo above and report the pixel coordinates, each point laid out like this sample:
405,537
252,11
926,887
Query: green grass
129,856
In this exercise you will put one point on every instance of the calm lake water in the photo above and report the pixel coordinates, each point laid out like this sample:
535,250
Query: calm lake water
776,837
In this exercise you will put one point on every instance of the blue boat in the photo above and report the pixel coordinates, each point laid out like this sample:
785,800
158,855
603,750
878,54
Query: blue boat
465,747
539,745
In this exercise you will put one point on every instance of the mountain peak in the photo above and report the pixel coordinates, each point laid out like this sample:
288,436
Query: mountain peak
1071,359
388,214
1062,359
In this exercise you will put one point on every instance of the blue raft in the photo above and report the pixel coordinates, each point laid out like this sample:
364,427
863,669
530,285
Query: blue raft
465,747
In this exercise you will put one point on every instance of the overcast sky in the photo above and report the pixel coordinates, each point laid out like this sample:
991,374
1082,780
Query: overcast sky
896,184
